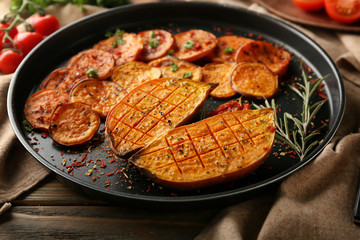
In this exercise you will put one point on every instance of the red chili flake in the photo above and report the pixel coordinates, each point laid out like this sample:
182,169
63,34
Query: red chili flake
276,154
265,148
178,29
112,173
228,30
94,178
324,123
78,164
308,69
130,181
103,129
272,128
83,157
251,35
36,149
107,183
292,156
62,153
33,143
148,190
70,170
260,37
218,29
35,139
173,194
44,134
322,95
112,160
89,161
103,164
291,152
28,138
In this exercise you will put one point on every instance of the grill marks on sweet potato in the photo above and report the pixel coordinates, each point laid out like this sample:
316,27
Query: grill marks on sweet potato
218,149
73,124
132,74
40,105
125,48
100,95
276,59
254,80
151,110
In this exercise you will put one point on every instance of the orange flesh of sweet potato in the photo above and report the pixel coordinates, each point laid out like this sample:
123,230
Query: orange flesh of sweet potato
125,48
54,79
276,59
156,44
40,105
219,149
100,95
151,110
88,59
132,74
73,124
219,73
254,80
175,68
193,44
227,47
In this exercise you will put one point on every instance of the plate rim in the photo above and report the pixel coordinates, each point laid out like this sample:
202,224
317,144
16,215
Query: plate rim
196,198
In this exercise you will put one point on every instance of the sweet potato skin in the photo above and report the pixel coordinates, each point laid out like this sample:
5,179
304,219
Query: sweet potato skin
216,150
150,110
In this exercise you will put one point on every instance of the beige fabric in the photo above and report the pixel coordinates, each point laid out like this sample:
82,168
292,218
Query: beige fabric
314,203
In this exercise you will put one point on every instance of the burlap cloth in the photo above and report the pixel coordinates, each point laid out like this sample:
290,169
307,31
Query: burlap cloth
316,202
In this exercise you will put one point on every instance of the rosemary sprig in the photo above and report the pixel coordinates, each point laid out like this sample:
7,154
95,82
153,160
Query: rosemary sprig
300,139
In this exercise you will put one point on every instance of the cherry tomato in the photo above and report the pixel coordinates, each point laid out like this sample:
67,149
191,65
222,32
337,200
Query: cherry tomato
27,40
309,5
9,61
343,11
45,25
12,34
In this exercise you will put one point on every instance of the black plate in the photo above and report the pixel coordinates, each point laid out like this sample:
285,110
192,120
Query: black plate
120,182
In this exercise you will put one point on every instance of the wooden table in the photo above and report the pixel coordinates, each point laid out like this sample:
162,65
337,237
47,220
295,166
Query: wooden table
54,210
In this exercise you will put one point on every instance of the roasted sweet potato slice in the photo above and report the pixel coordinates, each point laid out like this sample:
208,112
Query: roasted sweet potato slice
276,59
150,110
219,149
125,47
73,124
54,79
227,47
219,73
175,68
132,74
156,44
96,63
254,80
72,77
100,95
194,44
40,105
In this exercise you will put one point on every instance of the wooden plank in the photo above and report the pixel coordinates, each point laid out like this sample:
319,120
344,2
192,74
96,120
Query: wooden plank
94,222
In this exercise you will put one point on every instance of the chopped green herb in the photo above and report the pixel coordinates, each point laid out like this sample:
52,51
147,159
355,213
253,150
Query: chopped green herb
92,72
228,50
171,52
153,42
187,75
27,126
173,67
117,41
118,32
189,44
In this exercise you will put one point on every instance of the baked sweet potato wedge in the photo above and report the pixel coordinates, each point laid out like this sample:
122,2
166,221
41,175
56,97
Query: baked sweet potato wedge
40,105
227,47
219,73
254,80
100,95
175,68
132,74
216,150
96,63
193,44
125,47
150,110
275,58
156,44
73,124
